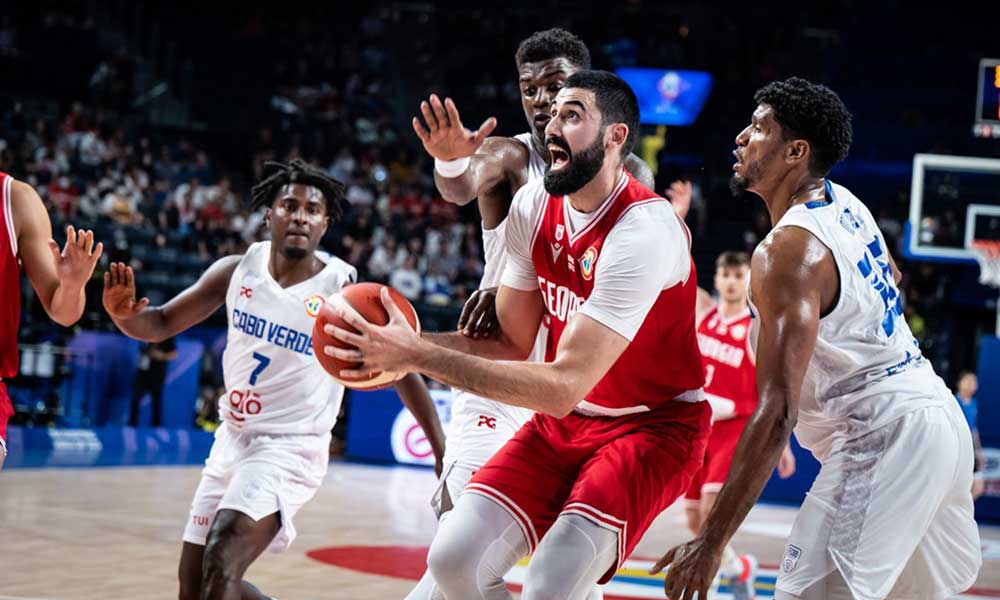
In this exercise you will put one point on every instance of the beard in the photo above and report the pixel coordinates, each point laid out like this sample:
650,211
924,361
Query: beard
580,170
752,174
294,252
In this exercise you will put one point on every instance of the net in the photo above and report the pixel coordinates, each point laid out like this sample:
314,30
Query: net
988,255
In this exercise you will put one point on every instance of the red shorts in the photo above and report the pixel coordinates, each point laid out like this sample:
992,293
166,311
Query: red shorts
618,472
6,411
721,447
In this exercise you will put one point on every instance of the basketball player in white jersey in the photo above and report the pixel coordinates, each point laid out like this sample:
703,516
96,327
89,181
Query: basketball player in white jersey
890,514
271,452
470,166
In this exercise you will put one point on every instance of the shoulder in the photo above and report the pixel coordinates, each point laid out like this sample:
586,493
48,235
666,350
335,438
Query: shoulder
529,199
790,257
651,217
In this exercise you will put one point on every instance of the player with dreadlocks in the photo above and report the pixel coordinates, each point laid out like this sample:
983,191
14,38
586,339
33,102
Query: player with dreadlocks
271,453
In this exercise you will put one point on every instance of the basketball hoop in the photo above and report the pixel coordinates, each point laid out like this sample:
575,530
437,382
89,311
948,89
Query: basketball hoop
988,255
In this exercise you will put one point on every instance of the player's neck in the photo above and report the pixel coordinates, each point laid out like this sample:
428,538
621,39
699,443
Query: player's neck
731,309
790,191
591,196
291,271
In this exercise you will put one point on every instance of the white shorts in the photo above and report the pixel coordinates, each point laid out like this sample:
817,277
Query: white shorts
892,512
258,475
479,427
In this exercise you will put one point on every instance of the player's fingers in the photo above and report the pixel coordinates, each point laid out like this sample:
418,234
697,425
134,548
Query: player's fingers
350,316
390,306
86,241
113,269
107,281
439,111
429,118
54,247
467,309
419,129
356,373
343,335
141,304
689,590
348,354
452,110
70,235
129,277
663,562
98,251
485,130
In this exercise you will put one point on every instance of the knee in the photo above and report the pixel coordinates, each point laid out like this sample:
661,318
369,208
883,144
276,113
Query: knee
221,564
446,560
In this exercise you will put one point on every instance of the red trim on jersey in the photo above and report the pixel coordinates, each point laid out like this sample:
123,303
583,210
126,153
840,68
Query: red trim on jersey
10,280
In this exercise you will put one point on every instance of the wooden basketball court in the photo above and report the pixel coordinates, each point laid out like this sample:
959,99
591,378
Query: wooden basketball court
115,532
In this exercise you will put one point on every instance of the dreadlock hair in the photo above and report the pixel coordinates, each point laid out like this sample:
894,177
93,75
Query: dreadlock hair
277,175
553,43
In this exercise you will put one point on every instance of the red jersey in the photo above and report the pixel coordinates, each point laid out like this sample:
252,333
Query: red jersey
10,281
662,361
730,373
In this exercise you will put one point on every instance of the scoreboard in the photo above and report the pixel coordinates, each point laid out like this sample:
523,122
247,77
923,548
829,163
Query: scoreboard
988,99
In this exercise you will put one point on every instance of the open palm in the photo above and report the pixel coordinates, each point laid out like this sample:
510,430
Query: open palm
444,137
119,293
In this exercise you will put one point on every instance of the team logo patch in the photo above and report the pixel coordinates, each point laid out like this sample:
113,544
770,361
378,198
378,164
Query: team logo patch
559,231
587,263
313,304
738,331
791,558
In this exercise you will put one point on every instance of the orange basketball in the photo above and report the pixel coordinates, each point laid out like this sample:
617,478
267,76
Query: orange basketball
367,300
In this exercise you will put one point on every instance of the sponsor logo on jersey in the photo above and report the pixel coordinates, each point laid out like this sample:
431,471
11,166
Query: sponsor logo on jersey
791,558
556,250
587,263
485,421
559,232
246,292
313,304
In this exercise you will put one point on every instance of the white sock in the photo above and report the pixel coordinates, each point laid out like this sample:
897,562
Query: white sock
731,563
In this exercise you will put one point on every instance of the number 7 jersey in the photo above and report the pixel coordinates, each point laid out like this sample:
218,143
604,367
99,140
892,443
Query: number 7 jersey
866,369
274,384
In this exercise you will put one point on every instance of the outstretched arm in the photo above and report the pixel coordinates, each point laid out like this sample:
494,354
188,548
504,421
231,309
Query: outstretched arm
138,320
446,139
58,278
417,399
793,277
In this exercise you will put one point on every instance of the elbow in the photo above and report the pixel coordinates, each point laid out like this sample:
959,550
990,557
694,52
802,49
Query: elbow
563,400
64,320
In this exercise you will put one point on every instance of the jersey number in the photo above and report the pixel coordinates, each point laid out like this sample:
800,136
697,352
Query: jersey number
875,268
263,362
709,373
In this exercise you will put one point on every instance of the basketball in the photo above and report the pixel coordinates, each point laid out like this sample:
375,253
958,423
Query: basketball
367,300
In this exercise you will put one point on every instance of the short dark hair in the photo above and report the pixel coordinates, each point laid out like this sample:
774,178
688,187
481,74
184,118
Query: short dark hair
614,98
812,112
731,259
277,175
553,43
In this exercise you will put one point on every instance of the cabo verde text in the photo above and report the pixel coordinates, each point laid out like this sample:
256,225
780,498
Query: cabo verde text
274,333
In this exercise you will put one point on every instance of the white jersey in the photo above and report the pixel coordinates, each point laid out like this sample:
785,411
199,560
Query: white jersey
274,384
866,369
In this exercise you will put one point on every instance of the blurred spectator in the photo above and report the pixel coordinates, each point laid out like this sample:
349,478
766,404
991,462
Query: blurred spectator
150,377
967,386
406,279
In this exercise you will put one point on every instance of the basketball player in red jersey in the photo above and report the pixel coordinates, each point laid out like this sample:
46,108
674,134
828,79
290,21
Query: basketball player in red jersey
731,388
619,431
58,277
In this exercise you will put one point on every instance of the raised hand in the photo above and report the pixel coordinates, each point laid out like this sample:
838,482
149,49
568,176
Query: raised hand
75,263
679,194
444,137
119,293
